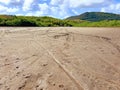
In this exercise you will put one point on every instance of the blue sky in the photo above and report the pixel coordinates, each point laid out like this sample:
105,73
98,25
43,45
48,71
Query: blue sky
57,8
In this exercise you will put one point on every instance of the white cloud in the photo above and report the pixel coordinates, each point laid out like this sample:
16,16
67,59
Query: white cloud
36,13
75,12
64,12
27,5
56,8
64,7
18,0
111,8
87,3
103,10
80,3
28,14
5,1
19,14
44,8
56,2
118,6
4,9
12,10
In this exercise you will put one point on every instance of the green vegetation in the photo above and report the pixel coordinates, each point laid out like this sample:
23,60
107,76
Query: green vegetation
104,20
105,23
8,20
96,16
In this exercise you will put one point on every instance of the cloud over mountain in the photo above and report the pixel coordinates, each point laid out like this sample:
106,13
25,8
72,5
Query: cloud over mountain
56,8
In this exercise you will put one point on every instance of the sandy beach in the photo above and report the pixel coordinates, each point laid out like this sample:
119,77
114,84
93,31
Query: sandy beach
59,58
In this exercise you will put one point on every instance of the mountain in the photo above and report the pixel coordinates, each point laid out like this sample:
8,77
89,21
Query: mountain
95,16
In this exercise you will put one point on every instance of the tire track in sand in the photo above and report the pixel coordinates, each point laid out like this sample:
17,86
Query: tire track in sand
59,64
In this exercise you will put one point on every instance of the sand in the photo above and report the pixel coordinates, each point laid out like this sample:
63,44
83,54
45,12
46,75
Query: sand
64,58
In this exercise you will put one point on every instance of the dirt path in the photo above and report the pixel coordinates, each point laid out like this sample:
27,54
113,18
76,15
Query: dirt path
59,58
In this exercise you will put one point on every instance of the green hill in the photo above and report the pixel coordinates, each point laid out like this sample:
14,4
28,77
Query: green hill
95,16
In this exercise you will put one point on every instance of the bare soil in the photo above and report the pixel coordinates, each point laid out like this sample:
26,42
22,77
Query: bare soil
65,58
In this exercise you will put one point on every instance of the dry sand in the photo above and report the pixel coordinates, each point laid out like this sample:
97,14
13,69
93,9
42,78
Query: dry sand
59,58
